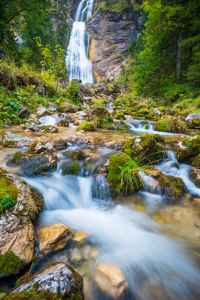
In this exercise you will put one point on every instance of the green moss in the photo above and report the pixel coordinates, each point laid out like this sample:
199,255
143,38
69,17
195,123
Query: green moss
172,186
16,157
107,40
70,168
49,129
7,188
118,55
144,148
86,126
80,155
9,143
171,125
188,148
196,162
32,147
112,47
38,198
63,123
10,264
115,6
118,115
128,22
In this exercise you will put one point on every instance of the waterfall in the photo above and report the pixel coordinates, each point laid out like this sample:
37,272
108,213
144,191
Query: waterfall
78,64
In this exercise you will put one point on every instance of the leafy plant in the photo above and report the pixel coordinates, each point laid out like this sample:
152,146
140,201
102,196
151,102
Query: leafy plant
7,203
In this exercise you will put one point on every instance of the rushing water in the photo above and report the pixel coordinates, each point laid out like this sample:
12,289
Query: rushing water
78,64
138,127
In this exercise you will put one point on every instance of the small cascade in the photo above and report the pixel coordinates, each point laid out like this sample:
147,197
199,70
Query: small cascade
78,64
100,188
49,120
170,166
145,128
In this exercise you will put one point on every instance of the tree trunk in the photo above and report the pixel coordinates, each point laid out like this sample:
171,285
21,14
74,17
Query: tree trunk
178,58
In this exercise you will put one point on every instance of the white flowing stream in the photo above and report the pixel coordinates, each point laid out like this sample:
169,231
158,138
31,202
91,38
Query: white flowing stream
78,63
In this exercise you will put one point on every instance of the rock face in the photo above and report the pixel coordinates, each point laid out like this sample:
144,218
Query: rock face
53,238
57,281
110,280
111,35
13,140
16,229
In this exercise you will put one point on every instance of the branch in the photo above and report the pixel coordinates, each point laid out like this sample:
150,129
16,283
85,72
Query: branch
20,11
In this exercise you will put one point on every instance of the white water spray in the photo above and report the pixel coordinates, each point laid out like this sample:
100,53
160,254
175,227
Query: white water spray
78,64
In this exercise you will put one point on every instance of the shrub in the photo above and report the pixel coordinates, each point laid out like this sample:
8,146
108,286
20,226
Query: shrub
72,92
10,263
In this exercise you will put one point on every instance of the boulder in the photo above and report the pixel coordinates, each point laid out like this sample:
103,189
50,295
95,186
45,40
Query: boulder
33,119
144,148
86,126
193,120
97,113
55,281
70,168
97,141
77,122
188,148
63,123
32,127
69,108
37,148
60,144
19,205
110,280
195,176
171,124
23,112
53,107
10,139
49,129
42,112
53,238
77,154
39,164
40,91
196,162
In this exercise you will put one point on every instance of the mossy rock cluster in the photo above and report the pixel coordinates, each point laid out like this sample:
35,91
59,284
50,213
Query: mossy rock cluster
7,191
17,158
38,164
188,148
38,198
174,125
49,129
32,148
144,149
117,182
118,115
70,167
86,126
10,264
63,123
79,155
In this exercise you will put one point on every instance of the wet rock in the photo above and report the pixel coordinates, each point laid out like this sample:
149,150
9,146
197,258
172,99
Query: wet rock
53,238
50,148
23,112
144,148
70,117
97,141
171,124
32,127
195,176
193,120
110,280
13,140
79,155
53,107
79,236
49,129
41,91
16,229
37,148
196,162
69,108
86,126
188,148
77,122
63,123
70,168
39,164
118,115
42,112
33,119
115,145
98,113
55,281
60,144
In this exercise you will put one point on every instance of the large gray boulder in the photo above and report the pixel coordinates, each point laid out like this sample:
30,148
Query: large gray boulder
42,112
10,139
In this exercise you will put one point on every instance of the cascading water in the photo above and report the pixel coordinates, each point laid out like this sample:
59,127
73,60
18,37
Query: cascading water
78,64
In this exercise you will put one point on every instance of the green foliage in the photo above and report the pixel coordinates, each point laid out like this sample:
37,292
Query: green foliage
72,92
86,126
116,6
10,264
7,203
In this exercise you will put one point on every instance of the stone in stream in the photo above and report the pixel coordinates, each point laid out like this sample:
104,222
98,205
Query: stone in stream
32,127
195,176
19,206
188,148
60,144
110,280
23,112
53,238
97,141
49,129
69,108
53,107
70,167
10,139
55,281
77,154
63,123
42,112
37,148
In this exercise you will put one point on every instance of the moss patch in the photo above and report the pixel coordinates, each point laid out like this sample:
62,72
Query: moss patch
70,168
10,264
86,126
9,143
171,125
38,198
16,158
32,147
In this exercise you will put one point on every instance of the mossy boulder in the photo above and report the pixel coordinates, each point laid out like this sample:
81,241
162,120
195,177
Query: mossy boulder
156,113
12,140
38,164
70,167
37,148
116,180
60,144
188,148
17,157
195,176
54,282
38,198
49,129
78,154
16,228
171,124
86,126
196,162
144,149
118,115
193,120
63,123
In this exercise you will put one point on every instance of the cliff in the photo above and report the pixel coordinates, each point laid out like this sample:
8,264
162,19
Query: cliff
111,34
